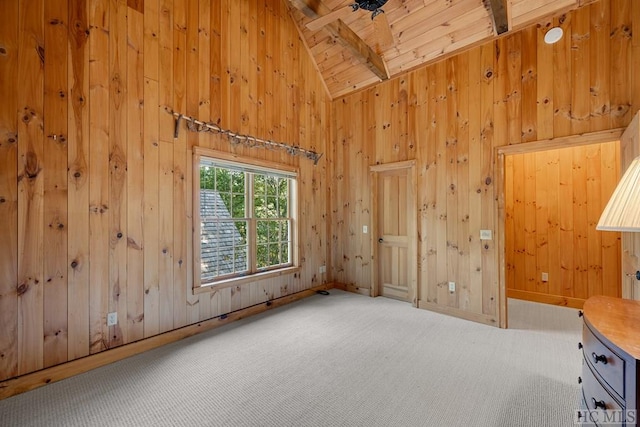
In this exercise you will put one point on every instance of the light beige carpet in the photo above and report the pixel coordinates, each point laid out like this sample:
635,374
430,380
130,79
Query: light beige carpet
337,360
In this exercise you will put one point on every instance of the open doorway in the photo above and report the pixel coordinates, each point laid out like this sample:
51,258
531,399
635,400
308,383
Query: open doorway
553,201
535,237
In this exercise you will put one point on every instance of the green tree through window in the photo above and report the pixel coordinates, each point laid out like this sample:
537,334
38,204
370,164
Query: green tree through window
245,222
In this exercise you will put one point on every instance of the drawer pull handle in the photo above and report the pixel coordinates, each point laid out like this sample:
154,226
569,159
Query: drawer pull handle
599,358
598,403
580,313
579,346
579,380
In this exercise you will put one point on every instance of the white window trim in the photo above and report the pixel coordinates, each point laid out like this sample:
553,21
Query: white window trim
255,165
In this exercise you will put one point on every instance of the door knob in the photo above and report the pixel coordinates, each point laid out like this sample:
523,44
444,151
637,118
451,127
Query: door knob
380,240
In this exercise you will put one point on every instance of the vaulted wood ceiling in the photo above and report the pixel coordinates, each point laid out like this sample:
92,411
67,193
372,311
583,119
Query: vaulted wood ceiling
356,51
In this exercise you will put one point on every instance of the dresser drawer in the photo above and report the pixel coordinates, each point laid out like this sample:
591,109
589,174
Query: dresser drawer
600,404
606,363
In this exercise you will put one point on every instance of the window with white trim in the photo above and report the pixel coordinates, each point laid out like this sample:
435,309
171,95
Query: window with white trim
245,223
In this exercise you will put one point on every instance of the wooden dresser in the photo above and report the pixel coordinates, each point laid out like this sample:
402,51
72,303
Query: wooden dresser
611,353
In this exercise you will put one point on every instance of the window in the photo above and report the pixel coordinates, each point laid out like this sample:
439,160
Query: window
245,223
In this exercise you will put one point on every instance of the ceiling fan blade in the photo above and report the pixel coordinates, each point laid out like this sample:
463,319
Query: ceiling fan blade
382,30
320,22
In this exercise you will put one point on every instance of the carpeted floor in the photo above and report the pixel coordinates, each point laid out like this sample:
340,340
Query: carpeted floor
337,360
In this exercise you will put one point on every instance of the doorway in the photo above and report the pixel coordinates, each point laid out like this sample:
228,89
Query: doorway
394,231
535,242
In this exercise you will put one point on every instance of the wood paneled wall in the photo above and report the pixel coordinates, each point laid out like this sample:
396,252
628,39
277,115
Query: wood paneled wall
450,117
95,191
553,201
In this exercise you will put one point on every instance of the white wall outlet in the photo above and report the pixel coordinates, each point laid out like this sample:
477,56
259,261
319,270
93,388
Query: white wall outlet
112,319
365,229
486,235
545,277
323,269
452,286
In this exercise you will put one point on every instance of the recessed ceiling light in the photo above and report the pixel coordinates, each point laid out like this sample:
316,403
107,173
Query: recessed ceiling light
553,35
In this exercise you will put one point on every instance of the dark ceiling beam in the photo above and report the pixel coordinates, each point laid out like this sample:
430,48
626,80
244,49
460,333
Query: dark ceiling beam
341,31
498,11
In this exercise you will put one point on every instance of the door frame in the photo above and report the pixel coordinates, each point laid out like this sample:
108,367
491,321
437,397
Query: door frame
499,215
412,226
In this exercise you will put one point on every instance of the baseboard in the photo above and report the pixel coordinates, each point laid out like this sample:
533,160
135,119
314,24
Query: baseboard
456,312
545,298
31,381
353,288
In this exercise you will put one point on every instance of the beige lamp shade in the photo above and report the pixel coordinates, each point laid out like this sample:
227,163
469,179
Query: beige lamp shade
622,212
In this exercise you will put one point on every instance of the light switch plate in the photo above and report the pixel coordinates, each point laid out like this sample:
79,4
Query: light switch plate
486,235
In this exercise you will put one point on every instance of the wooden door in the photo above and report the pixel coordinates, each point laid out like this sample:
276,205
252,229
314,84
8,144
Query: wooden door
395,233
629,150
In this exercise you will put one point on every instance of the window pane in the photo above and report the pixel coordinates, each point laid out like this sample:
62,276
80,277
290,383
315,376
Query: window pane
272,207
237,181
274,254
262,256
237,206
274,231
241,236
223,180
258,184
208,254
284,251
207,177
284,231
242,258
262,231
260,207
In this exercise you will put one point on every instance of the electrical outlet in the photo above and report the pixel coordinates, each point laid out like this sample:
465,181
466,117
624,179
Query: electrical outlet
365,229
112,319
323,269
545,277
452,286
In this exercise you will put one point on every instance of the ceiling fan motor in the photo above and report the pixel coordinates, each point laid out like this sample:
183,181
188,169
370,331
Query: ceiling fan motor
371,5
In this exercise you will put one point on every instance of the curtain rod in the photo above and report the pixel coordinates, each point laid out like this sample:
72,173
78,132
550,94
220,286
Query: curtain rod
195,125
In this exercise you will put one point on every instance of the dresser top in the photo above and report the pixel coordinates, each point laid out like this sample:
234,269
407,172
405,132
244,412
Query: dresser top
618,320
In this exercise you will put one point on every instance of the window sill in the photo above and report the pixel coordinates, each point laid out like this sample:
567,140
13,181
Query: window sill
238,281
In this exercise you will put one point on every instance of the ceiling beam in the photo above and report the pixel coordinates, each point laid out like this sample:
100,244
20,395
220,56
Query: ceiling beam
341,31
498,11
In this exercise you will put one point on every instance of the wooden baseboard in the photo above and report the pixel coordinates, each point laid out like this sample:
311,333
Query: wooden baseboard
353,288
27,382
545,298
456,312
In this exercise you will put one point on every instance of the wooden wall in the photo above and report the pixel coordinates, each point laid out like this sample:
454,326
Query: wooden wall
95,192
553,201
450,116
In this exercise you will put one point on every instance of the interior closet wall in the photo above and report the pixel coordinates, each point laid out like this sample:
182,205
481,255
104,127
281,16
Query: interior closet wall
553,201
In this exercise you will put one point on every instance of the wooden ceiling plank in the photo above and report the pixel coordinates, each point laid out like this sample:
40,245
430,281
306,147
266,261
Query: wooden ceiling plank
498,12
437,55
520,20
424,22
341,31
521,7
438,46
471,18
407,8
